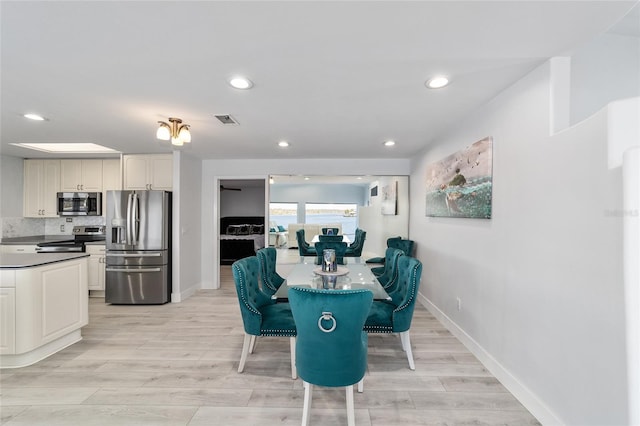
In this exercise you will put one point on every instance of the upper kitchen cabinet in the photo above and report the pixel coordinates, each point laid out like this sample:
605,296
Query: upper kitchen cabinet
111,177
41,183
153,171
81,175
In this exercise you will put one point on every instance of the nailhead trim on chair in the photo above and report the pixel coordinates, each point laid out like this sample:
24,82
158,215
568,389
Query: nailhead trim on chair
242,285
413,293
378,329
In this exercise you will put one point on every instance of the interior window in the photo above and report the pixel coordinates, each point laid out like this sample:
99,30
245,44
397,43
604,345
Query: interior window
283,213
345,214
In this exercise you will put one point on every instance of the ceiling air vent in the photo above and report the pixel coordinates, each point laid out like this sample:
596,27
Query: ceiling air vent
227,119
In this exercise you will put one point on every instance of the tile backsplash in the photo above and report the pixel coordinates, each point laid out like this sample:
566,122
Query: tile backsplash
24,226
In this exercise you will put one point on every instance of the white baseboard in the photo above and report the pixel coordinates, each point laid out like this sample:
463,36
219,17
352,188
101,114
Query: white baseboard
527,398
185,294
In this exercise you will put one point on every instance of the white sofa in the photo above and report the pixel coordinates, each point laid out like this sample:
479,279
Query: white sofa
310,229
277,238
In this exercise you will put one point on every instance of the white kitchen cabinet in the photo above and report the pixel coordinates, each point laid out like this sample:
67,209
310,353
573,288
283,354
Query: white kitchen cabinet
96,266
42,309
7,317
12,248
152,171
111,179
81,175
41,184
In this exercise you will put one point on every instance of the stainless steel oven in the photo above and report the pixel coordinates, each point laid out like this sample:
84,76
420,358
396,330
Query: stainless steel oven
79,203
81,235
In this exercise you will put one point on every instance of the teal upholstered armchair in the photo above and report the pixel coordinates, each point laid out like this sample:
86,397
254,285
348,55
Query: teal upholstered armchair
270,279
331,348
395,316
389,275
355,248
261,316
303,246
339,247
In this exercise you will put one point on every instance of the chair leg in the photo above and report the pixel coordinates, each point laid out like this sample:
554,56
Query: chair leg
292,344
361,385
308,396
245,351
253,344
351,414
406,345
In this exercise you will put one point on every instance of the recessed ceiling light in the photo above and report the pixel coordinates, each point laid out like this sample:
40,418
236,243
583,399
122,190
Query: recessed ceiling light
437,82
307,178
283,144
389,143
241,83
35,117
67,148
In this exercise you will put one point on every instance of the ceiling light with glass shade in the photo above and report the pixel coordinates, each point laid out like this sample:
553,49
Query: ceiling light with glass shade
175,131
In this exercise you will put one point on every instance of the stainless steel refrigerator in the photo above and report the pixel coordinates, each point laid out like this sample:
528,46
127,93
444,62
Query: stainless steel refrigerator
138,264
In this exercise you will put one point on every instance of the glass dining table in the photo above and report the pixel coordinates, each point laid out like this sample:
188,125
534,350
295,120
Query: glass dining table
356,274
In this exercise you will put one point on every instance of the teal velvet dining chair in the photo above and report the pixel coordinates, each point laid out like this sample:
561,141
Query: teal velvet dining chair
330,238
330,231
407,247
389,275
303,246
269,278
261,315
395,315
339,247
331,347
355,248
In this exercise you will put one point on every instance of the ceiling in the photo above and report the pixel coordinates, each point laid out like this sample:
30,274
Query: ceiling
331,78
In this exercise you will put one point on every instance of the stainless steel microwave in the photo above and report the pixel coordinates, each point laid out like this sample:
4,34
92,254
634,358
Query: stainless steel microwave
80,203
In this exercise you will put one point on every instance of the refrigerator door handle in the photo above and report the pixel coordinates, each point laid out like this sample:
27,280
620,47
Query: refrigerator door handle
134,254
135,218
129,206
133,271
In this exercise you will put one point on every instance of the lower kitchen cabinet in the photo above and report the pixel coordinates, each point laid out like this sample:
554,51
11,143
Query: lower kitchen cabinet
96,266
7,319
42,309
12,248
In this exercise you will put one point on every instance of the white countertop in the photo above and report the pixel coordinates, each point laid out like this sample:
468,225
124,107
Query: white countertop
29,260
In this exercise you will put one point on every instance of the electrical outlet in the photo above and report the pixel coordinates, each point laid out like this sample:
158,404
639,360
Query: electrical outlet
458,303
69,220
61,228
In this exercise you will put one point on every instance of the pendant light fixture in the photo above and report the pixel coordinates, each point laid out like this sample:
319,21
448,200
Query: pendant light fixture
177,132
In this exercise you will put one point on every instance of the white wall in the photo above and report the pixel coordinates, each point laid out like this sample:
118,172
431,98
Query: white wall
248,202
379,227
540,282
319,193
602,71
215,170
11,183
187,238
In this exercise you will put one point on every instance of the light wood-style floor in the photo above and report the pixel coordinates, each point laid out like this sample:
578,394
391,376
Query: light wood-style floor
176,364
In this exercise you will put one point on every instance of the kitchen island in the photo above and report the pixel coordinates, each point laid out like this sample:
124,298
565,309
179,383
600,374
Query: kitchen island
43,305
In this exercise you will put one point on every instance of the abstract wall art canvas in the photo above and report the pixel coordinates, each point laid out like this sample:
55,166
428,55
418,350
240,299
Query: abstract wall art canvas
390,199
460,185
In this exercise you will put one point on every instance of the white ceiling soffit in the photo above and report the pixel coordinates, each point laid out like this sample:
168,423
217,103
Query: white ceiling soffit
338,77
